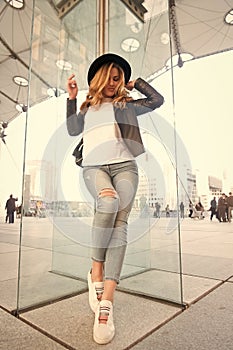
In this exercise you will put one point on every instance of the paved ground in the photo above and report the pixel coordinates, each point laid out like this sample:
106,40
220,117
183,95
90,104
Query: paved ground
52,291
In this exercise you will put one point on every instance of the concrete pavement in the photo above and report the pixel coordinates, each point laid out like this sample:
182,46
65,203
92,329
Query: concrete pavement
143,320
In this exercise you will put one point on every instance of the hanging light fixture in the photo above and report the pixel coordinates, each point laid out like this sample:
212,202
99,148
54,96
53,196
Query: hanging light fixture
16,4
20,81
130,45
21,107
229,17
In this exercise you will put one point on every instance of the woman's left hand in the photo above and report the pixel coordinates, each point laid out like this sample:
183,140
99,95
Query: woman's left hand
72,87
130,85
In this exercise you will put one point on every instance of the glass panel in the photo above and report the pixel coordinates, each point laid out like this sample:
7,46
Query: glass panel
58,211
152,264
203,118
51,206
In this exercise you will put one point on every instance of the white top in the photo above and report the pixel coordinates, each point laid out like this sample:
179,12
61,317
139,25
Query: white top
102,139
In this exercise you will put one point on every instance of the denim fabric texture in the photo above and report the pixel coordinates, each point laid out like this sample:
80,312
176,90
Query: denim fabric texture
109,231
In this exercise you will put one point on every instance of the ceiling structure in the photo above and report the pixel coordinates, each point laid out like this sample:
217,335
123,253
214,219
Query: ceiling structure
63,45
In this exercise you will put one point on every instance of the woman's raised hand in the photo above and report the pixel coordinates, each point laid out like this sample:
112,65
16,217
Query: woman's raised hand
72,87
130,85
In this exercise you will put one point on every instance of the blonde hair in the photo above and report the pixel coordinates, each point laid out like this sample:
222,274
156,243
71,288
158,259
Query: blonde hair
95,94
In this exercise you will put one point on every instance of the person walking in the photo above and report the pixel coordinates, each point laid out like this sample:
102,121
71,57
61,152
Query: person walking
111,141
191,209
157,210
167,211
213,208
10,209
229,206
182,210
222,205
144,207
200,210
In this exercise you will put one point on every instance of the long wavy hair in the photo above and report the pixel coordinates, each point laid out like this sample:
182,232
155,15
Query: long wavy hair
95,94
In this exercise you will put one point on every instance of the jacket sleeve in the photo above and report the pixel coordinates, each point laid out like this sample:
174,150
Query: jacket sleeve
152,100
74,121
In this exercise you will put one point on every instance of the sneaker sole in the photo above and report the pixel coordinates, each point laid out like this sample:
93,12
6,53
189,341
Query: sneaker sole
103,341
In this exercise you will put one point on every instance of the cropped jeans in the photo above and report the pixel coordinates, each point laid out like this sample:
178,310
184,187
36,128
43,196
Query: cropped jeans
109,230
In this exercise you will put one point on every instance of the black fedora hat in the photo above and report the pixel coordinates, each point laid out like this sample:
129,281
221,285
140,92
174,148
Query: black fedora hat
106,58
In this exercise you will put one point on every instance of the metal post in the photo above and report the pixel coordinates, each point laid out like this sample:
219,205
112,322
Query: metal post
102,33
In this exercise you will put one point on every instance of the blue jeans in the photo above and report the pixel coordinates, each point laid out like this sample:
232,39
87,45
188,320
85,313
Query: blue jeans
109,230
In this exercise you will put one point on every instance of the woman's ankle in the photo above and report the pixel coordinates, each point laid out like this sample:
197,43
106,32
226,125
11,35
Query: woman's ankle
96,278
106,297
97,274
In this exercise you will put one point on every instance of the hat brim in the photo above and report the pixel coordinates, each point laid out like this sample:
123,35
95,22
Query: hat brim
106,58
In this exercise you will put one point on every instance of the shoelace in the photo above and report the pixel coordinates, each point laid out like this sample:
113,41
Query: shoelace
103,314
99,292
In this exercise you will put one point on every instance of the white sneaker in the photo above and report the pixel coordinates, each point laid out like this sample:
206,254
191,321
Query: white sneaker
104,330
96,290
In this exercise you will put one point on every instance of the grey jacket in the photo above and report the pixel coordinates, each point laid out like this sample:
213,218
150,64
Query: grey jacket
126,117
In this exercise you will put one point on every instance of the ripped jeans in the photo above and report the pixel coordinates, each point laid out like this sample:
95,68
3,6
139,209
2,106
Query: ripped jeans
113,188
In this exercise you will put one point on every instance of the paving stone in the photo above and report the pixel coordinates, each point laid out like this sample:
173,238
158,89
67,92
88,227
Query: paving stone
72,320
205,325
15,334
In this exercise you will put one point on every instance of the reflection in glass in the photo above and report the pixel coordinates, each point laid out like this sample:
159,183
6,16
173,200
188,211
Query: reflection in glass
58,210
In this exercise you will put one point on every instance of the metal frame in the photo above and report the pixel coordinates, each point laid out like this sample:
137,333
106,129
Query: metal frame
136,7
65,6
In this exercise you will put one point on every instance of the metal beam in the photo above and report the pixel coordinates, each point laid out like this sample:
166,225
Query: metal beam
8,97
15,56
101,27
136,7
65,6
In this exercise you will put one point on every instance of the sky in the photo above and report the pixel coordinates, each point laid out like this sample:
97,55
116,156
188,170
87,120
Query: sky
203,119
204,111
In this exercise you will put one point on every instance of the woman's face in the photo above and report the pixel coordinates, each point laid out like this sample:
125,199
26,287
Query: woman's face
112,84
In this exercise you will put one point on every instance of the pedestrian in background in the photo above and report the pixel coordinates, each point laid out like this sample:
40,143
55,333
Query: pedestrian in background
157,210
10,209
213,208
222,205
182,210
229,206
167,210
191,208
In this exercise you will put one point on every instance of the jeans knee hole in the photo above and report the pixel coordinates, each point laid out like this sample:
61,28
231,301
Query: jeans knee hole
108,192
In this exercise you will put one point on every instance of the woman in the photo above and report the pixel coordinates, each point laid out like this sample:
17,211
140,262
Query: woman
111,137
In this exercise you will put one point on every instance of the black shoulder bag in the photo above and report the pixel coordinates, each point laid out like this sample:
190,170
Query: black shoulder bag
78,153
